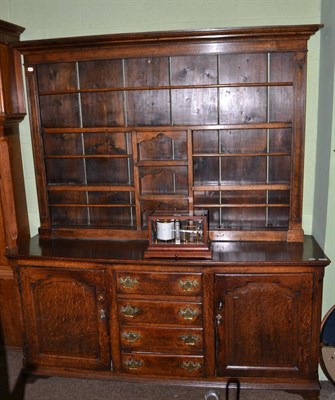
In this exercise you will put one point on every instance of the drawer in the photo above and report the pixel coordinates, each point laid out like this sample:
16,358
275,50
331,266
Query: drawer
168,340
152,364
159,312
159,283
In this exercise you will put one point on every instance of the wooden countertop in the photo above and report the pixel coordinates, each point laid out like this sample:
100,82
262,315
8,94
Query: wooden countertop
272,253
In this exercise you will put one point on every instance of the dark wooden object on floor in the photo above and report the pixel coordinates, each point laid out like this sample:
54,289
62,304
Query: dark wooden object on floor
13,209
124,125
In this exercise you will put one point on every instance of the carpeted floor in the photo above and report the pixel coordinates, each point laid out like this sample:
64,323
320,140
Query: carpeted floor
55,388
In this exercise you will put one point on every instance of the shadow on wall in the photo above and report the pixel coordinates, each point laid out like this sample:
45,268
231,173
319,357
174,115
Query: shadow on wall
17,393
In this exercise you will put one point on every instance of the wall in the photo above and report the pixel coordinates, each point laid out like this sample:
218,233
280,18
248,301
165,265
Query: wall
324,201
58,18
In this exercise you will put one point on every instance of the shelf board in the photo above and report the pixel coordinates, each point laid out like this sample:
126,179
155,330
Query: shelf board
85,156
264,205
241,154
161,197
166,87
163,163
91,205
239,187
91,188
162,128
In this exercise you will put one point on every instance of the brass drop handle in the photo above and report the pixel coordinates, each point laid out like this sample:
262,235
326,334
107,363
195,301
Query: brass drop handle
190,340
131,337
188,285
191,366
133,363
129,311
128,282
188,313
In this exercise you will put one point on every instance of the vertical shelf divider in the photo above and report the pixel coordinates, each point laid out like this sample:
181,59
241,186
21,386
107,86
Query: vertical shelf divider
136,182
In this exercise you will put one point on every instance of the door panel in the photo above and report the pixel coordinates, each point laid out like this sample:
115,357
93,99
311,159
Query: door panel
263,324
65,317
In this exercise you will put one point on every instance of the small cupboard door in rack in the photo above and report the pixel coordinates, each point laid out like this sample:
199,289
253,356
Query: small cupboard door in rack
164,176
65,318
264,325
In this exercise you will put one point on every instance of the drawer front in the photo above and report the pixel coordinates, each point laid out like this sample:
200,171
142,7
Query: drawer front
159,312
144,364
162,340
156,283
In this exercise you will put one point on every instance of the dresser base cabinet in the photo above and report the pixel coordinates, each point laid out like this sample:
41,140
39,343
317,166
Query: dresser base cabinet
88,311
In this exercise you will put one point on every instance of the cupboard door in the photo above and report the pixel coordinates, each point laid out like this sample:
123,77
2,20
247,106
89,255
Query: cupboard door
264,325
65,318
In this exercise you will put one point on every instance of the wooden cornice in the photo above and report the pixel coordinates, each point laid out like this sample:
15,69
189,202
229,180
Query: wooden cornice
280,32
9,33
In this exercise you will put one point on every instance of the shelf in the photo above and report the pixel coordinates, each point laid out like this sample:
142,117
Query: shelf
91,205
160,197
240,154
156,163
167,87
244,205
84,156
90,188
195,127
241,187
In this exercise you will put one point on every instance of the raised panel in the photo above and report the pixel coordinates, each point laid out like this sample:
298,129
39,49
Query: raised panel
63,318
56,77
163,180
102,109
100,74
151,71
63,144
243,68
194,106
148,107
194,70
60,111
165,145
243,105
263,324
65,171
116,143
109,171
